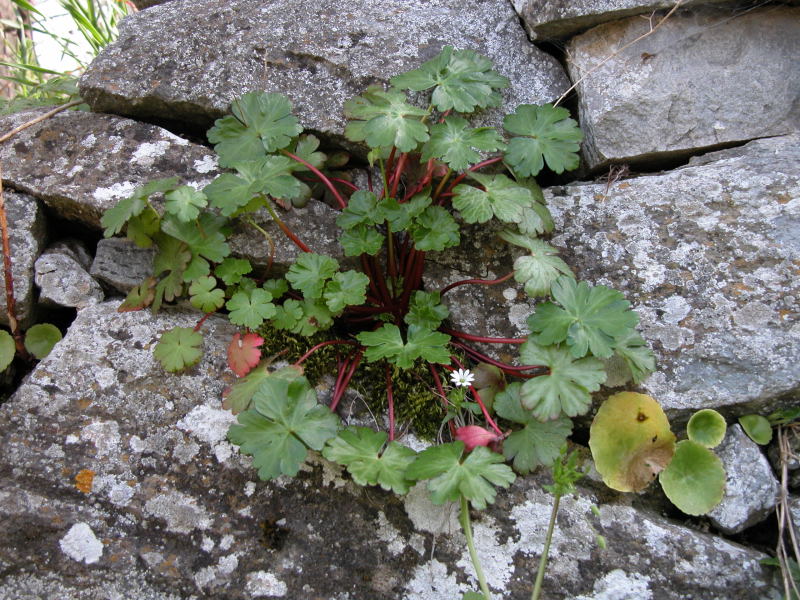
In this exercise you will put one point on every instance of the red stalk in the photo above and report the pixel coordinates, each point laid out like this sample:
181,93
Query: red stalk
320,176
438,382
476,282
390,401
11,303
339,391
320,345
485,340
508,369
201,321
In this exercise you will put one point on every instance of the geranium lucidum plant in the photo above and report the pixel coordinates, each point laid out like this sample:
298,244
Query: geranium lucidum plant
437,174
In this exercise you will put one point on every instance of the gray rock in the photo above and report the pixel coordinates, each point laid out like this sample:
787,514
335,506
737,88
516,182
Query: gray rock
318,54
121,264
702,80
63,281
73,248
26,223
142,4
751,489
561,19
707,254
82,163
165,507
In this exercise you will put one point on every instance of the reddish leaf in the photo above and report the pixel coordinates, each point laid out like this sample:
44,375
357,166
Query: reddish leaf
139,297
243,353
473,436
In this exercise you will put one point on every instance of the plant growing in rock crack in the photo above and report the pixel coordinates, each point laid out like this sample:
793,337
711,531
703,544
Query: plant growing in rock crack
380,320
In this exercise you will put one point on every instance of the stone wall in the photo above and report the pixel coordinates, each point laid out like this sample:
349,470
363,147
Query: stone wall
117,480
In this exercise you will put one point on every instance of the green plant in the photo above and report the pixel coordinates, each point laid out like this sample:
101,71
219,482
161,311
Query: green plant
34,85
632,443
440,179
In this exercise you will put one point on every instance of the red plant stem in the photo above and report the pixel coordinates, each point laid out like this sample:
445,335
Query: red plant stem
367,268
345,183
485,340
389,165
11,305
289,233
486,414
414,279
339,392
341,368
202,320
477,397
390,401
476,282
377,272
320,176
475,167
439,388
320,345
509,369
401,165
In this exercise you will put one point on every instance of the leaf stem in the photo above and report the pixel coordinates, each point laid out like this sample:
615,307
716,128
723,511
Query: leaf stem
267,236
479,338
320,175
320,345
476,282
339,391
289,233
390,401
463,518
202,320
509,369
537,586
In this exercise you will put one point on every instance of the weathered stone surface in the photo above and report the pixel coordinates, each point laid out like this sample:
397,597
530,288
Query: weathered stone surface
125,476
142,4
27,233
751,489
560,19
121,264
701,80
63,281
319,54
708,256
73,248
83,163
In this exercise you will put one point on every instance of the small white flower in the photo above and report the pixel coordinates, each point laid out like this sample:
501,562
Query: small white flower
462,378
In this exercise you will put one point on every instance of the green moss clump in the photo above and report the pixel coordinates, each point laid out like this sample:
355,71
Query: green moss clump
413,389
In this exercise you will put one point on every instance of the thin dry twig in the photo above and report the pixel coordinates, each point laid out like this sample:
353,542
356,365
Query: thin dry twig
653,29
784,515
39,119
11,310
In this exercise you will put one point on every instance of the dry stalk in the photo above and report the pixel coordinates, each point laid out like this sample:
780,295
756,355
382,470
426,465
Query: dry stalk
784,515
11,310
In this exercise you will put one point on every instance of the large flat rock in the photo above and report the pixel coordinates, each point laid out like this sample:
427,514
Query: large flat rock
708,255
117,481
704,79
560,19
317,53
83,163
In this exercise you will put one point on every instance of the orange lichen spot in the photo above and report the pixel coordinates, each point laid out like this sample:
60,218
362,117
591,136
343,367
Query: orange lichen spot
84,480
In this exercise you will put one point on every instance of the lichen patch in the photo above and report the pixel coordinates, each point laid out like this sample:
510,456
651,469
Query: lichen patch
81,545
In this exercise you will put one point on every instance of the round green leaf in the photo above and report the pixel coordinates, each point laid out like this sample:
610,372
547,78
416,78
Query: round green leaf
40,339
695,480
631,441
757,428
7,349
707,428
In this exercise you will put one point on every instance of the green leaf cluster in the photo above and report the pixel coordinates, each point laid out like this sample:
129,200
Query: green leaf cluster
546,134
370,460
387,342
284,424
452,474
